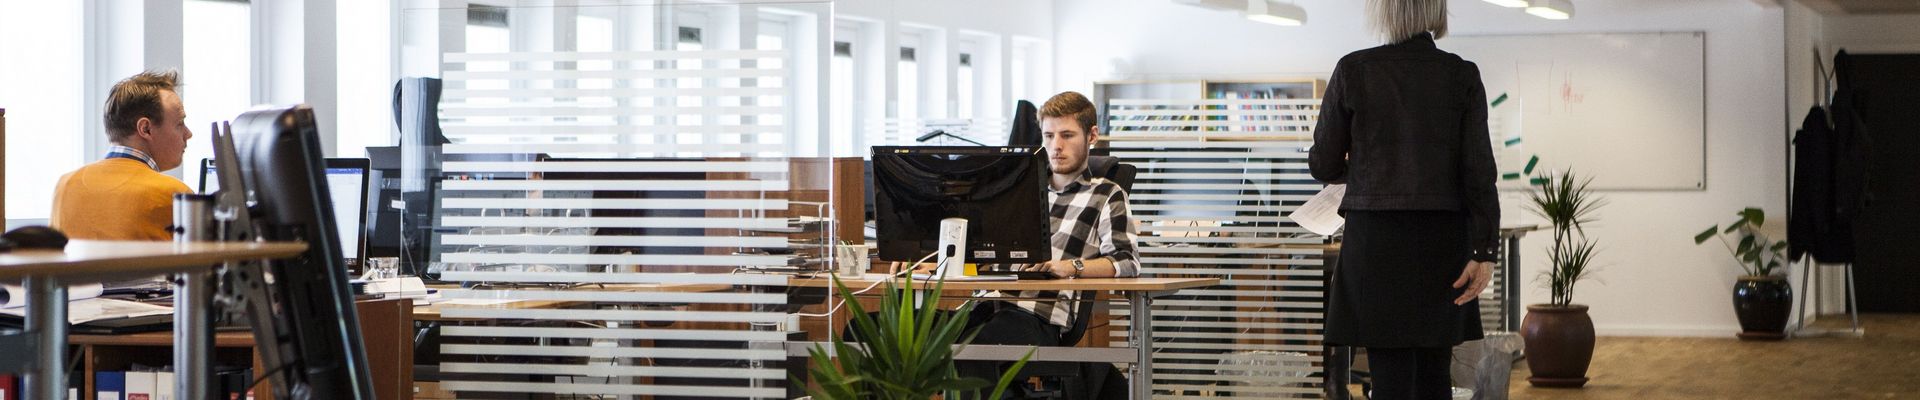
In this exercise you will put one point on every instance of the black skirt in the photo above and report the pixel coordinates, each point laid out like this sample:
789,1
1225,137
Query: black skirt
1393,286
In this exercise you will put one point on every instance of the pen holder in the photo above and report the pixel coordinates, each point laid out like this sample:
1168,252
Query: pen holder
851,260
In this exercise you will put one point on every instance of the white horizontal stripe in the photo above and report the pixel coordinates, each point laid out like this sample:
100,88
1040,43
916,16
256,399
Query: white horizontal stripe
1217,197
1129,156
720,73
1225,250
1159,325
1257,112
626,259
509,110
612,204
1248,391
1261,293
1229,271
1253,240
623,185
1229,261
457,94
1209,207
1289,142
1121,125
615,166
665,149
1234,166
539,56
603,277
1240,176
599,333
1234,346
613,315
611,389
1237,218
1211,102
1241,335
1272,283
588,351
1261,378
614,370
1214,359
1235,186
1244,229
667,128
616,222
1253,304
1290,316
618,296
633,241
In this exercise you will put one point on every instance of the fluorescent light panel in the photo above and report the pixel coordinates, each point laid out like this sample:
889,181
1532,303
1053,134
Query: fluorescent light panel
1551,9
1273,12
1509,3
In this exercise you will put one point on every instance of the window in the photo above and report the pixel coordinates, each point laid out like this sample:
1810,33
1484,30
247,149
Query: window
41,43
486,33
689,39
909,78
366,74
841,100
216,75
772,36
963,80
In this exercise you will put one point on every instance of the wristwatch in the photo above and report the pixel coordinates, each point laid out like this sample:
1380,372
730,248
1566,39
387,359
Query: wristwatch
1078,267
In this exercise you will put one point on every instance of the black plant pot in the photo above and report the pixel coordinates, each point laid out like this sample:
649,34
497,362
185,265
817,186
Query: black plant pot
1763,304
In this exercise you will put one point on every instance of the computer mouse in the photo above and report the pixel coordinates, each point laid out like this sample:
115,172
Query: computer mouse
36,237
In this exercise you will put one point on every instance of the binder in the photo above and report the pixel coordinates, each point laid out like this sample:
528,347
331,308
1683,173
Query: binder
163,385
140,386
108,385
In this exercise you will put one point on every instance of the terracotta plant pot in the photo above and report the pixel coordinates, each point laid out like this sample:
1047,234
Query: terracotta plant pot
1559,342
1763,303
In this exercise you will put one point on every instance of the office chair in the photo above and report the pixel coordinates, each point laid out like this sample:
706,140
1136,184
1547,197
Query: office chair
1068,379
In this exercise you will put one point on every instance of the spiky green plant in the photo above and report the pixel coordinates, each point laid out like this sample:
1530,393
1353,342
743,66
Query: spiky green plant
1757,254
906,352
1566,203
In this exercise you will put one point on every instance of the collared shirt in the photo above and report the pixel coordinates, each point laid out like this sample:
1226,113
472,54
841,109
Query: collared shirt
1090,220
118,151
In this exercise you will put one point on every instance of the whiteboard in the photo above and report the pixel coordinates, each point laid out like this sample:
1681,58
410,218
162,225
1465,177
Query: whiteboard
1627,109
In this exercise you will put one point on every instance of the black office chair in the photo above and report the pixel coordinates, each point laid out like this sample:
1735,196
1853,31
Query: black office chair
1069,379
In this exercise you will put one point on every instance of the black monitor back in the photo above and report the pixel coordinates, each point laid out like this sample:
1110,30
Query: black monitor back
280,161
1001,191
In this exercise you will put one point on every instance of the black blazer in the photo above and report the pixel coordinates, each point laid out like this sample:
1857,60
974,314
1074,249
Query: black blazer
1405,127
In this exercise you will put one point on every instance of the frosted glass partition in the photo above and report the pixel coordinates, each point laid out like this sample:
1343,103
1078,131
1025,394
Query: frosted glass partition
1216,180
625,188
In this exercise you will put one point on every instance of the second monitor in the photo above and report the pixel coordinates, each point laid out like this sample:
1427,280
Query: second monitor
1000,191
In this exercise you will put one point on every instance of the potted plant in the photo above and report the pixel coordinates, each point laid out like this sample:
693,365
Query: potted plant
1761,299
1559,335
905,352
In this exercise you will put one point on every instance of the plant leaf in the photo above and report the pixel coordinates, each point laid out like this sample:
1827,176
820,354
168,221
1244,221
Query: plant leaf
1703,236
1746,244
1736,225
1754,216
1782,245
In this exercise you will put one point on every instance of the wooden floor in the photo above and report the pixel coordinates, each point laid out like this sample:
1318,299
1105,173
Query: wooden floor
1884,364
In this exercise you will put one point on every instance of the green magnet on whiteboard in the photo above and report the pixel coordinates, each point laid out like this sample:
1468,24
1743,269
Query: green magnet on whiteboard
1513,141
1540,181
1532,161
1510,176
1498,100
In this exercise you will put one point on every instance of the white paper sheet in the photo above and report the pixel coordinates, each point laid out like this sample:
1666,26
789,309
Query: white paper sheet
15,297
1321,214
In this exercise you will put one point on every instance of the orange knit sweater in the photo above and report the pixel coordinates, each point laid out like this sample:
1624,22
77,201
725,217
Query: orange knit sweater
115,199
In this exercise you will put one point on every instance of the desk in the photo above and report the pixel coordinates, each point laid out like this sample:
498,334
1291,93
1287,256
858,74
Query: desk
45,274
431,312
1139,292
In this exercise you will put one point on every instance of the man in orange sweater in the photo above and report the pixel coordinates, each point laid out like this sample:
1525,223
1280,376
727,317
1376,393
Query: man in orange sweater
125,196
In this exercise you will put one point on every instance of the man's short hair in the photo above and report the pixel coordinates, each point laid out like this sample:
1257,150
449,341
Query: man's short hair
1071,104
136,97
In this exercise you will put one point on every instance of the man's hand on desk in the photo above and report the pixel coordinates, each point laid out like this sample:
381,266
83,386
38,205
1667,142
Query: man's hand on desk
1059,268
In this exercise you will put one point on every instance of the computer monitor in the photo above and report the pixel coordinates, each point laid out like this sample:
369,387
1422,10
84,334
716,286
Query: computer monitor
312,333
1000,191
347,187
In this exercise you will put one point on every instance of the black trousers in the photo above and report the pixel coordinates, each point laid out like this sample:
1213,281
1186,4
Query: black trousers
1411,373
1002,323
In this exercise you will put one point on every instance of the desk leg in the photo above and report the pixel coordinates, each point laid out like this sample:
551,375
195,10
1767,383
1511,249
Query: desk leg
47,322
1140,302
193,336
1510,300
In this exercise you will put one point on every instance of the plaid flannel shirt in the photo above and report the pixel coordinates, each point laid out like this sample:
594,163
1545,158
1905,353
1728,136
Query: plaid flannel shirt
1090,220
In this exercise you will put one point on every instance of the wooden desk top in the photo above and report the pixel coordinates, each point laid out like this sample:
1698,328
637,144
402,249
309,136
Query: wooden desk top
95,259
431,312
1117,284
161,338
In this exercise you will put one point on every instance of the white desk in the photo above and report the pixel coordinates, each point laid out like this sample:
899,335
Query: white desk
45,274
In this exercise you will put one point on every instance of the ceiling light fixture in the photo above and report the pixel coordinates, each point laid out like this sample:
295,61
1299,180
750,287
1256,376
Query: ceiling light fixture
1551,9
1509,3
1277,13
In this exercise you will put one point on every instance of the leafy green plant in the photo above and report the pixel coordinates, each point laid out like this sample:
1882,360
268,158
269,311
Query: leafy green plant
906,352
1757,254
1566,203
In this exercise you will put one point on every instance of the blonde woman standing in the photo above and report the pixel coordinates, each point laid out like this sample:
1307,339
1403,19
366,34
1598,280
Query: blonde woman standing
1404,125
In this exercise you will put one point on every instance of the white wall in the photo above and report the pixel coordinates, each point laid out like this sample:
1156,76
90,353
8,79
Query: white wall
1654,280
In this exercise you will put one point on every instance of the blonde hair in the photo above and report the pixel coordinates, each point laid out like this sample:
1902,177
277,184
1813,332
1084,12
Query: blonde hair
1397,20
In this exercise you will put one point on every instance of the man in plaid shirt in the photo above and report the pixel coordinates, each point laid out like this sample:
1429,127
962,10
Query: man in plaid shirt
1093,237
